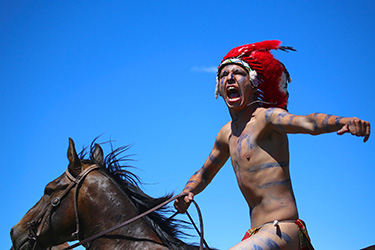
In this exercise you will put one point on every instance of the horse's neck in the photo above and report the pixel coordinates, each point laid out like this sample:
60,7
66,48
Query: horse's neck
103,205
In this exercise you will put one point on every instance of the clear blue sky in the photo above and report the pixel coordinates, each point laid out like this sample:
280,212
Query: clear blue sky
140,72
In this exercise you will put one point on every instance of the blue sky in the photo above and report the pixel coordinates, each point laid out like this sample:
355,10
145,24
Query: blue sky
140,72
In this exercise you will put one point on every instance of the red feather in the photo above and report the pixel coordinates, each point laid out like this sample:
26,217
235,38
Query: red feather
248,48
269,70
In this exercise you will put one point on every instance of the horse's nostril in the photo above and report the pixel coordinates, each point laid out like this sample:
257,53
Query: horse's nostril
11,232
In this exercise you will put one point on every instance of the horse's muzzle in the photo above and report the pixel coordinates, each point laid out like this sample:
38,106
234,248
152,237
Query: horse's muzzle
20,240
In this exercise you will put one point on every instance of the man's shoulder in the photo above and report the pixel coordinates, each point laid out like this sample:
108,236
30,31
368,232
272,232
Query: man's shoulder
260,113
226,128
225,131
262,110
267,113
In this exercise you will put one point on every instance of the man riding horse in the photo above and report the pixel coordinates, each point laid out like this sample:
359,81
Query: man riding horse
253,85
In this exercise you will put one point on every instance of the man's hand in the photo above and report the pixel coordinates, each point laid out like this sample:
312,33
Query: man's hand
356,127
183,202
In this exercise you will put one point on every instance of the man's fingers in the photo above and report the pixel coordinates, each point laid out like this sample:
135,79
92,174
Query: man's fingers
366,138
183,202
343,130
367,132
188,198
356,127
191,196
180,207
363,127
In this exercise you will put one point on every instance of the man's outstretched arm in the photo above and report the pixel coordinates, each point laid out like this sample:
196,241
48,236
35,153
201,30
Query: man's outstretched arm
317,123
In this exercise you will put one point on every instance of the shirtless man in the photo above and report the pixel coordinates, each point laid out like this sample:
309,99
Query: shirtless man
253,84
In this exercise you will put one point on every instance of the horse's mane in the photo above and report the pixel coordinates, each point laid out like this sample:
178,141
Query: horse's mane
168,230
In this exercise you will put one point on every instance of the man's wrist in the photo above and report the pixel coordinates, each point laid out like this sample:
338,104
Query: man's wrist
187,189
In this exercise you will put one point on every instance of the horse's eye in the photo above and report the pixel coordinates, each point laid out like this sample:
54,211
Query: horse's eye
48,191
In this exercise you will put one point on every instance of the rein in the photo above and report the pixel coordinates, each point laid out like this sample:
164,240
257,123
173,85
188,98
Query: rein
93,237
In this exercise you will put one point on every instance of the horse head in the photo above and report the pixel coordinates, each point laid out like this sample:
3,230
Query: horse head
52,220
92,196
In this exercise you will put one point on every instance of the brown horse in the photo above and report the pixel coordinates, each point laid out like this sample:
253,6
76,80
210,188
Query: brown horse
91,196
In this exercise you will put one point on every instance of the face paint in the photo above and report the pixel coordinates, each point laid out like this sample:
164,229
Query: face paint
235,85
268,75
222,79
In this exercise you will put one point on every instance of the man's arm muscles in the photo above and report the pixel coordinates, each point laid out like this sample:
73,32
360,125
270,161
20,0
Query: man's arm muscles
317,123
214,162
200,179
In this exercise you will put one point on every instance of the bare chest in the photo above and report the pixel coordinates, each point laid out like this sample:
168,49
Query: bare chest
243,146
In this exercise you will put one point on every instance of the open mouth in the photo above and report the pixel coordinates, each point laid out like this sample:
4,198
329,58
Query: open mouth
233,94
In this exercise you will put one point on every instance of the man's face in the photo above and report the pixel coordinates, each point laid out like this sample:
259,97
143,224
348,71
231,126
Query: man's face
235,86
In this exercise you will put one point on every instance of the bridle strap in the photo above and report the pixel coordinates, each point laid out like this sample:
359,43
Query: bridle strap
77,181
91,238
56,202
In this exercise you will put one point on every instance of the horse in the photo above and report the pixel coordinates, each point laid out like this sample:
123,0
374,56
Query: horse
93,195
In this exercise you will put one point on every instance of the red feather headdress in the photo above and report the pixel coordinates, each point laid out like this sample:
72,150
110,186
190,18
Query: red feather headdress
267,74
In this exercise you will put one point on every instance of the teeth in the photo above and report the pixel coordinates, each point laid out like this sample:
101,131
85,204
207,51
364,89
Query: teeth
231,88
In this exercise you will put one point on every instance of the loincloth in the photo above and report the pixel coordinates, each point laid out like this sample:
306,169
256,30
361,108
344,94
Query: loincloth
304,239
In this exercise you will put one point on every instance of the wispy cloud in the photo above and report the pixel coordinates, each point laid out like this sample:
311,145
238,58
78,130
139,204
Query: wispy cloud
204,69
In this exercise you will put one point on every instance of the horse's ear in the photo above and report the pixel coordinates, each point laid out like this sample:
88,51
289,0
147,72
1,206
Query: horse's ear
98,155
74,162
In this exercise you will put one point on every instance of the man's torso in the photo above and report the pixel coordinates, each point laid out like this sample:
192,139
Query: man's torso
260,159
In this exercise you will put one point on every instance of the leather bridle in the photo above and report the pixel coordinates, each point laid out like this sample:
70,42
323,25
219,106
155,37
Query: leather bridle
35,228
